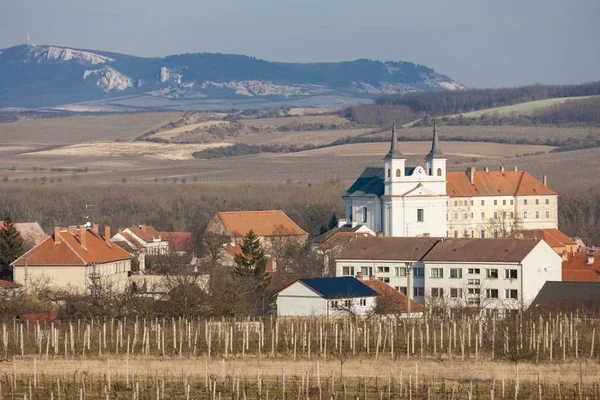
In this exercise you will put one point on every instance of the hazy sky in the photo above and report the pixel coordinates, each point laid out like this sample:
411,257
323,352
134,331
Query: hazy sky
480,43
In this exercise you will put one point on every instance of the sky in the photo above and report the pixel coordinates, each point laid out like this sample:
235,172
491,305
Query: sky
480,43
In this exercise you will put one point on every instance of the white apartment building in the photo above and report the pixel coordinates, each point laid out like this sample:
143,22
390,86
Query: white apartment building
403,201
485,273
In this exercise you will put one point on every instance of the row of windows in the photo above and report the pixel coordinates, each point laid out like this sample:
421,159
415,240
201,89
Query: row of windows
399,172
418,291
435,273
489,293
464,203
457,273
346,303
497,215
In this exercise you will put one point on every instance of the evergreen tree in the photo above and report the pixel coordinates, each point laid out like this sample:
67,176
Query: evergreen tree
11,244
322,230
333,221
252,262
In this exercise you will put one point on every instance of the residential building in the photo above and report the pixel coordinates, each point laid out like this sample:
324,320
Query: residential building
403,201
559,242
325,297
145,238
577,297
29,231
74,257
484,273
392,302
582,266
180,242
270,226
9,288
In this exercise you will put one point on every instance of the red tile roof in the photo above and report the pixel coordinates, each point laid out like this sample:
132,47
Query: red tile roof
42,317
553,237
494,183
396,301
576,268
343,238
69,250
131,240
28,230
180,241
263,223
9,285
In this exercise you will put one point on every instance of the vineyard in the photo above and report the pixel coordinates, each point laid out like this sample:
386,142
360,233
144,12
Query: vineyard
462,357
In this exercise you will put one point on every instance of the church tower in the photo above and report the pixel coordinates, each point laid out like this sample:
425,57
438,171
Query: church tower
435,164
394,164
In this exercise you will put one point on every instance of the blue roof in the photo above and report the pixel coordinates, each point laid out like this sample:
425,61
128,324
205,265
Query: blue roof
369,183
343,286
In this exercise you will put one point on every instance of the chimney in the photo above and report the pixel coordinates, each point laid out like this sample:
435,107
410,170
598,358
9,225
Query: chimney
516,169
143,228
38,239
72,229
56,234
379,234
371,277
545,180
486,169
359,276
502,169
565,255
107,234
471,174
341,222
590,257
83,236
96,228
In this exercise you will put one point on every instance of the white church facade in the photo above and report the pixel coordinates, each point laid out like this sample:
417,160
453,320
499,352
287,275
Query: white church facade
402,201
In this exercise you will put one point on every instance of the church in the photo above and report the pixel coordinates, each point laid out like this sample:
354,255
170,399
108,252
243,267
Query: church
410,201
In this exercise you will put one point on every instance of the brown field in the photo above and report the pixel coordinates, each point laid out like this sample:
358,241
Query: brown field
79,129
30,149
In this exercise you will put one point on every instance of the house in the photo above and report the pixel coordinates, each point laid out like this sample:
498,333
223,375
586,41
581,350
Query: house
483,273
581,266
404,201
578,297
29,231
76,257
325,297
390,301
145,238
9,289
180,242
559,242
269,226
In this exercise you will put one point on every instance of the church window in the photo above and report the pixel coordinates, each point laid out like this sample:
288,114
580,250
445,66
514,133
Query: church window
439,172
364,212
420,215
398,173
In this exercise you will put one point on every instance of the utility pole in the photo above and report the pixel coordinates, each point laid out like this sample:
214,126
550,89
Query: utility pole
408,287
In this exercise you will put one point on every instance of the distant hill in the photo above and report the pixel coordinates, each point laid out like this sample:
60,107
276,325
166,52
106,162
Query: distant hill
50,76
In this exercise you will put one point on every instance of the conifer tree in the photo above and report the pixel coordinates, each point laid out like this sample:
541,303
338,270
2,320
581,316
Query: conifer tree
333,221
252,262
11,243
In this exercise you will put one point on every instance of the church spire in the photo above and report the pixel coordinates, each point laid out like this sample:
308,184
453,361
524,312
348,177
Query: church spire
394,150
435,150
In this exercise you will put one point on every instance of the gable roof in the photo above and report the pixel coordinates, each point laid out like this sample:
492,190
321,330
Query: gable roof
262,223
576,268
388,248
27,230
345,230
481,250
339,287
552,236
69,250
398,299
568,296
458,184
494,183
145,232
130,240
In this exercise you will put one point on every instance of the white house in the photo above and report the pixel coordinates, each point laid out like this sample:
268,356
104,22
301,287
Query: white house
485,273
144,238
398,200
326,297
